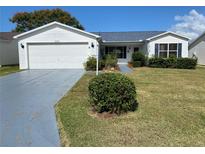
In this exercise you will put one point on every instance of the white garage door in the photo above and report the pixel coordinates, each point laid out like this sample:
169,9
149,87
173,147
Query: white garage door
57,55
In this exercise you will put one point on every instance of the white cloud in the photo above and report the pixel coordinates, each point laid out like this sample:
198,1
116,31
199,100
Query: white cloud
191,25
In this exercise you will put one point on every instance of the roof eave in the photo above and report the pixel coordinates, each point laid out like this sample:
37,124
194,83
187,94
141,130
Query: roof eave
122,41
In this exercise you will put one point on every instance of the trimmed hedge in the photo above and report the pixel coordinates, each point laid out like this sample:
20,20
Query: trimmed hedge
186,63
182,63
138,57
112,92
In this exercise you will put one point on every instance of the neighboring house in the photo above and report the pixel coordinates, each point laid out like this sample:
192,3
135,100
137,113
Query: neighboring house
8,49
197,48
58,46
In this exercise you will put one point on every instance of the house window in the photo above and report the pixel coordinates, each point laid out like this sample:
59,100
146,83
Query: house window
173,50
119,51
165,50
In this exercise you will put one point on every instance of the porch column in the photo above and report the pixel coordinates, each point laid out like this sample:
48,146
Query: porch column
97,59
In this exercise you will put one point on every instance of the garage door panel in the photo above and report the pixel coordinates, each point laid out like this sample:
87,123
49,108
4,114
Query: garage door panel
55,56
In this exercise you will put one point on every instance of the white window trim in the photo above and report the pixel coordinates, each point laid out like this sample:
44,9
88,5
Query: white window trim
167,49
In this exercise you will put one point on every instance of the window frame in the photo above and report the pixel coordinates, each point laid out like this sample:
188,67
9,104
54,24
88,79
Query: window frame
163,51
174,50
168,50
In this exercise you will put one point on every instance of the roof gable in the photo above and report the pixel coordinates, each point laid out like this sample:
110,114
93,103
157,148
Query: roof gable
168,33
55,24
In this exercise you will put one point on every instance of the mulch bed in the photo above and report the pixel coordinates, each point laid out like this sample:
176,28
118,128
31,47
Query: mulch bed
103,115
130,65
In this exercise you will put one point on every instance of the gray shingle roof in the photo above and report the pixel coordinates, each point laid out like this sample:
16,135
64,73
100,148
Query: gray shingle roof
127,36
8,35
106,36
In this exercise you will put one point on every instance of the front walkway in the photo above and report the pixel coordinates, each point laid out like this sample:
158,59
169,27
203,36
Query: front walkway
27,115
124,68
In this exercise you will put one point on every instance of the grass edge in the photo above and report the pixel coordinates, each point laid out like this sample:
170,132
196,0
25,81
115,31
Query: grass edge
64,140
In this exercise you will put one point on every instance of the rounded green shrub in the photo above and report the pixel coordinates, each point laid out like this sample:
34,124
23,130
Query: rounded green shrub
139,56
112,92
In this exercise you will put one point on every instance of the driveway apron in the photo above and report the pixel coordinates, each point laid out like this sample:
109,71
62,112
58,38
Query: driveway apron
27,99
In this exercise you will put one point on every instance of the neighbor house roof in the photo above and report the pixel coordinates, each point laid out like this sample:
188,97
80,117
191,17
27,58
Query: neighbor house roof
131,36
8,35
195,41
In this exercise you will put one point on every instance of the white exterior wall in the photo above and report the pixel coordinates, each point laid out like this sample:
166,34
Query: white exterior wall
8,52
54,34
167,39
199,51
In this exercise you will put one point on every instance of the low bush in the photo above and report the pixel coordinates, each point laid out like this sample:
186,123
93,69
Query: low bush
101,64
136,64
111,60
157,62
90,65
186,63
182,63
112,92
171,62
138,56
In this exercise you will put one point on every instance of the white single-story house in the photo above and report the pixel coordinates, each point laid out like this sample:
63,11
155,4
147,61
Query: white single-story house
58,46
197,48
8,49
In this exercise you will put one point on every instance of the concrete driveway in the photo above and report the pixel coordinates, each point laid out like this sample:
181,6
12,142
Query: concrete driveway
27,99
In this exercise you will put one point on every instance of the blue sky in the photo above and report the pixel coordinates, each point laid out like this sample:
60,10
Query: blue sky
112,18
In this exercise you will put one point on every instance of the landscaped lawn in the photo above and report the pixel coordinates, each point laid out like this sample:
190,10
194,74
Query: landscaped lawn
8,69
171,112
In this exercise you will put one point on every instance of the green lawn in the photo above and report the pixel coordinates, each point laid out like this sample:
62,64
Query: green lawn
171,112
8,69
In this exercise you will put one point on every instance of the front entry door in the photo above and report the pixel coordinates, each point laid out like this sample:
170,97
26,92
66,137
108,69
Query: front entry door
136,49
120,52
